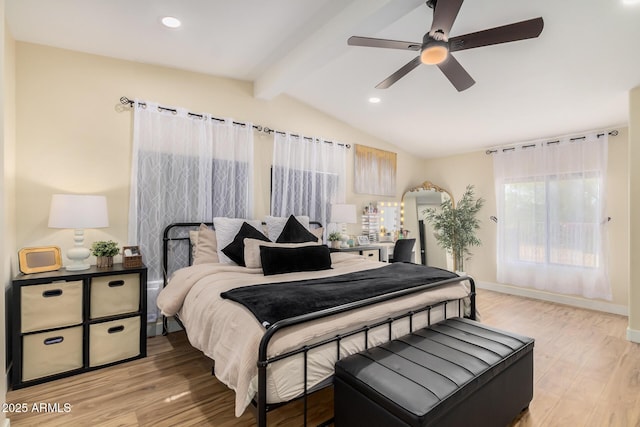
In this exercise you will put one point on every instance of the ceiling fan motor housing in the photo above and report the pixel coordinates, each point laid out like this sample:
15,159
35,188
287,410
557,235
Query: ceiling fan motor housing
433,51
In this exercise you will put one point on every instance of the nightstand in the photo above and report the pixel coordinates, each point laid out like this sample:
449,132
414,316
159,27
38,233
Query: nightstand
68,322
369,252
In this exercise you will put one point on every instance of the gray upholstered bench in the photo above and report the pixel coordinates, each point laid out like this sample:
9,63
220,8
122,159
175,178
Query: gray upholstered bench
454,373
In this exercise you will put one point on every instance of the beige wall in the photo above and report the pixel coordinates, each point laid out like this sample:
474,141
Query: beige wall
454,173
633,333
7,184
74,136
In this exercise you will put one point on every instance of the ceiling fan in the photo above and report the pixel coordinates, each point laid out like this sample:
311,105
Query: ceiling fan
436,46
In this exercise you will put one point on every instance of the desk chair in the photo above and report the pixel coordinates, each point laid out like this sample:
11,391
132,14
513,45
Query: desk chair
403,250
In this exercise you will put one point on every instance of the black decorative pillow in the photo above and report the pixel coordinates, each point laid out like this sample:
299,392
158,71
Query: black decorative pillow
235,249
278,260
294,232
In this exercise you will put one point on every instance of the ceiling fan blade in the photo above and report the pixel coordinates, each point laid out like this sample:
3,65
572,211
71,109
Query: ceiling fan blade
399,74
384,43
456,74
444,14
508,33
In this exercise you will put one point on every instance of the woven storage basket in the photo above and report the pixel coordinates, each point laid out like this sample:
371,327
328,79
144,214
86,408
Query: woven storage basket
132,261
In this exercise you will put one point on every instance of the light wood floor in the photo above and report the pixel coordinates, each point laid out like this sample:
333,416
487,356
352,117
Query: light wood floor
586,374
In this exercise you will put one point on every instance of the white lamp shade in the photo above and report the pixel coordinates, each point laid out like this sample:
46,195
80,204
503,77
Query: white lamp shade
343,213
78,211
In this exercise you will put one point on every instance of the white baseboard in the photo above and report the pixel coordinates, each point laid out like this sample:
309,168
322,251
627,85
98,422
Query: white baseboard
597,305
633,335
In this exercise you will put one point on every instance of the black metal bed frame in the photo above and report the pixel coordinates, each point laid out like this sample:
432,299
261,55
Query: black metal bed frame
260,404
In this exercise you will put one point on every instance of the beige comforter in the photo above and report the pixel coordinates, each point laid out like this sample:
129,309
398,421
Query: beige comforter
230,334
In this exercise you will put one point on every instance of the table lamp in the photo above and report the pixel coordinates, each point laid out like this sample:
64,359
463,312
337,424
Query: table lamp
343,214
78,212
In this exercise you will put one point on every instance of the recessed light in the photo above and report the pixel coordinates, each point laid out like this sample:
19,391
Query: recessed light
171,22
374,100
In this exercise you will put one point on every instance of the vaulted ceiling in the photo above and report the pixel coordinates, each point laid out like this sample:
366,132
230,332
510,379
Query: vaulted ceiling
573,78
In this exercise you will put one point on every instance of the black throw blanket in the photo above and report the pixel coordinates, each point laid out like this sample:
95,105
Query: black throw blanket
276,301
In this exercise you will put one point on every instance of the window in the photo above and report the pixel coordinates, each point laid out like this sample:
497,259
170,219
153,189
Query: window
554,220
308,175
551,205
185,167
312,195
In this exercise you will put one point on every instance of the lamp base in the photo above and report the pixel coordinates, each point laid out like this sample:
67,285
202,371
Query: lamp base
78,267
78,254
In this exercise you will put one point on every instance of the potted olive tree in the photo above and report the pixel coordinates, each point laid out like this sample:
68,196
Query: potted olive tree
455,226
104,251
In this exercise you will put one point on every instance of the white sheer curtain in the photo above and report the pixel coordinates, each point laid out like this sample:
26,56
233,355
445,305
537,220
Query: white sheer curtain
308,176
552,225
184,168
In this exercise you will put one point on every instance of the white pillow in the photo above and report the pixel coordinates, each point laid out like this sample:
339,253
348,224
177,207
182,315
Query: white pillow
275,225
226,230
319,233
252,250
206,248
193,237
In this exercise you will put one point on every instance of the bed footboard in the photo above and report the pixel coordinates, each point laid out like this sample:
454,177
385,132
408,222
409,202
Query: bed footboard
264,361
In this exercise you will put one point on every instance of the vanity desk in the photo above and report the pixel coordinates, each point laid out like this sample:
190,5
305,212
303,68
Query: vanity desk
373,252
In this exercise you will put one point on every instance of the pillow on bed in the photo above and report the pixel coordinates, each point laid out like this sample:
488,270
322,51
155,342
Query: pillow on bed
280,260
294,232
319,233
206,247
252,250
275,224
235,249
226,230
193,239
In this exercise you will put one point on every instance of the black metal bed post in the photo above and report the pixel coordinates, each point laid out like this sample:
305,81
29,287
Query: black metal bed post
165,258
263,362
165,264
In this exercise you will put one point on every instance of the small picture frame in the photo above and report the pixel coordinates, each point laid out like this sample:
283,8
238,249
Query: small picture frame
39,259
131,251
363,240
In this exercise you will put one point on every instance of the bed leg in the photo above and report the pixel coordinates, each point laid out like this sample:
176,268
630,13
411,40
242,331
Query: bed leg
165,326
261,406
327,423
472,283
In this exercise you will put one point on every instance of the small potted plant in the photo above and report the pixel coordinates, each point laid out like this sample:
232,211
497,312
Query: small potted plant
104,251
335,239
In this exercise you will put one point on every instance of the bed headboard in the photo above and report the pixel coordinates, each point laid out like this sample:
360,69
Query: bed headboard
176,245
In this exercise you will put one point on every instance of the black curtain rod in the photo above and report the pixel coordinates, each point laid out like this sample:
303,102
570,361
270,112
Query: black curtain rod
124,100
557,141
308,138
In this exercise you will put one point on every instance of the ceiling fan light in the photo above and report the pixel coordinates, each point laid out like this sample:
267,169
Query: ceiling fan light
435,53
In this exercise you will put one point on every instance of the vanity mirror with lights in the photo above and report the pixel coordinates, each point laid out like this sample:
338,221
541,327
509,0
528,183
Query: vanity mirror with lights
390,224
414,204
381,225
